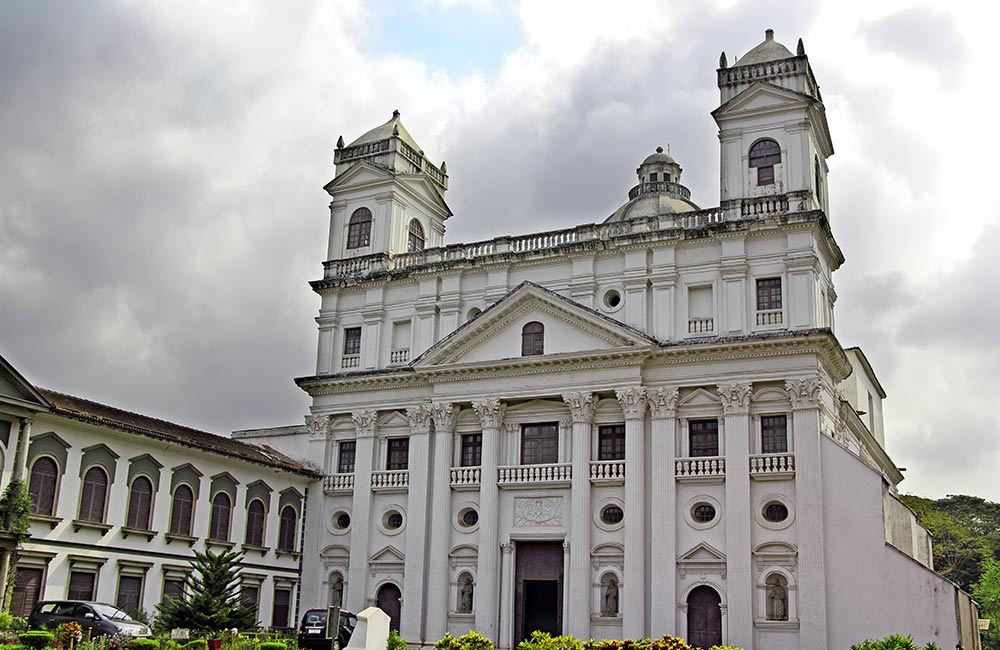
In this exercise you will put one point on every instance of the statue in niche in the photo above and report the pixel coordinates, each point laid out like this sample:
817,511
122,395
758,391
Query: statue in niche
337,591
465,594
610,603
777,599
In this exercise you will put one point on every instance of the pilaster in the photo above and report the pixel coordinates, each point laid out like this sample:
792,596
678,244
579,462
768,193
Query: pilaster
490,412
443,415
417,500
365,423
506,596
581,407
663,500
739,580
633,403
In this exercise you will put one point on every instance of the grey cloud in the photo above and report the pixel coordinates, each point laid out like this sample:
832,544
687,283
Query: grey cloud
920,34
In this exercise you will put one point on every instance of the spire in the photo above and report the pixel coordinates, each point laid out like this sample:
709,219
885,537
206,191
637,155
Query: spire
340,142
800,50
722,60
444,167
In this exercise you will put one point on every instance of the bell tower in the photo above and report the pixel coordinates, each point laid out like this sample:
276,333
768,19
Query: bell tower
773,132
388,197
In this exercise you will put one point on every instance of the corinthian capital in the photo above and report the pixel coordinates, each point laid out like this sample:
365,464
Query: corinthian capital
443,414
581,406
419,417
364,422
319,425
490,412
633,401
662,402
735,397
803,393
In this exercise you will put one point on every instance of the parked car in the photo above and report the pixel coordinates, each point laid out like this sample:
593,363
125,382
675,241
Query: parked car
312,631
99,618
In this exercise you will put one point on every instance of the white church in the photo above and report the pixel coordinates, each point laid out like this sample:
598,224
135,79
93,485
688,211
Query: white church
640,426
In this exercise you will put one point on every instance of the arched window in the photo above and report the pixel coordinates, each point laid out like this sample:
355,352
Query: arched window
42,486
359,230
818,180
415,242
140,504
764,155
94,495
466,593
286,529
777,597
255,523
532,339
180,513
218,527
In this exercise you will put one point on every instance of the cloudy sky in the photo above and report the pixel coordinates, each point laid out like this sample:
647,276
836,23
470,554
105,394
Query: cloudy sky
162,164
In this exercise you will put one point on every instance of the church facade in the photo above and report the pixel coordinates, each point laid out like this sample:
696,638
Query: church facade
636,427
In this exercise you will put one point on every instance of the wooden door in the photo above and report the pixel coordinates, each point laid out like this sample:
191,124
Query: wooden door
27,589
704,618
388,601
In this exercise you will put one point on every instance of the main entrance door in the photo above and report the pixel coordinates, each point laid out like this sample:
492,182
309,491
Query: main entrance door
704,617
538,589
387,599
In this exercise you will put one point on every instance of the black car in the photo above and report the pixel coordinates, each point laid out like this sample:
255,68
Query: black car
312,631
99,618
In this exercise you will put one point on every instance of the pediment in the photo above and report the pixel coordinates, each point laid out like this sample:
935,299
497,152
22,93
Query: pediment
703,552
770,394
464,555
422,187
16,391
763,96
336,552
569,328
699,397
702,559
387,555
360,173
393,419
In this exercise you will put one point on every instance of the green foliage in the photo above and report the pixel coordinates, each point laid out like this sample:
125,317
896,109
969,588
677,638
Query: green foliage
196,644
143,644
211,600
725,647
545,641
37,639
961,536
893,642
395,642
272,645
11,623
15,507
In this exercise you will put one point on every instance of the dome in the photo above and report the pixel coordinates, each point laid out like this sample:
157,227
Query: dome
659,157
652,206
769,50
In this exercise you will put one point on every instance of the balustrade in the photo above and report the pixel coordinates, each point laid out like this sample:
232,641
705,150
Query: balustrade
338,483
773,204
607,471
701,325
391,480
399,355
534,474
350,361
701,468
465,477
772,464
769,317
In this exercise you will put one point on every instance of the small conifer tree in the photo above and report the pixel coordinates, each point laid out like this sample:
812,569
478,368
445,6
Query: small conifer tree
211,600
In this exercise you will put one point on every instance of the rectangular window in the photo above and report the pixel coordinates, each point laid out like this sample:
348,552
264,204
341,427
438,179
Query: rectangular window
765,175
81,585
704,437
172,590
653,177
611,442
27,589
399,454
352,341
768,294
774,434
251,598
129,593
472,450
282,599
539,443
345,457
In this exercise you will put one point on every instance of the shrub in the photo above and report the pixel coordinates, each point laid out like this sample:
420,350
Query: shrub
11,623
272,645
395,642
893,642
545,641
196,644
143,644
468,641
36,639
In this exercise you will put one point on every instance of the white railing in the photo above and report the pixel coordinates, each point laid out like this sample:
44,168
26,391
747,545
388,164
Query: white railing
523,474
772,464
542,240
391,480
338,483
700,467
399,355
463,476
773,204
769,317
350,361
701,325
607,470
699,219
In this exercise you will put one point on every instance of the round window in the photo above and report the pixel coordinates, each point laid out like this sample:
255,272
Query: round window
343,520
612,299
612,515
393,520
703,513
470,518
776,511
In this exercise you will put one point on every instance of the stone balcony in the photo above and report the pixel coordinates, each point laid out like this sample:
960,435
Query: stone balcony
530,476
465,478
772,467
701,469
338,484
391,481
607,472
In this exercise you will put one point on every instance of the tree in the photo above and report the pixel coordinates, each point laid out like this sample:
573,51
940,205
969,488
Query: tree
15,509
987,594
961,538
211,599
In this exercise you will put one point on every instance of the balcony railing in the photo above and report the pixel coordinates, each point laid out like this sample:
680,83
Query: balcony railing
549,474
350,361
399,355
659,187
607,471
761,205
764,466
703,468
769,317
465,478
701,325
338,483
391,481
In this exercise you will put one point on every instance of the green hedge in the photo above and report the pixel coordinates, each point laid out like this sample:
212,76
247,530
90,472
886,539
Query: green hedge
196,644
143,644
36,639
272,645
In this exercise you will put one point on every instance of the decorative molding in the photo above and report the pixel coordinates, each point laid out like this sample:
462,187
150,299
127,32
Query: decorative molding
490,412
507,547
364,422
663,402
633,401
419,417
803,393
319,424
735,397
444,415
538,511
581,406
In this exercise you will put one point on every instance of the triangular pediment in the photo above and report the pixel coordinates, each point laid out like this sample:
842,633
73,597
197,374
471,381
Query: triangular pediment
699,397
360,173
570,328
387,555
17,392
763,96
703,552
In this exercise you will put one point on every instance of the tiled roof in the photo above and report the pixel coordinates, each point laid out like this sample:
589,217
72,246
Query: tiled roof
90,412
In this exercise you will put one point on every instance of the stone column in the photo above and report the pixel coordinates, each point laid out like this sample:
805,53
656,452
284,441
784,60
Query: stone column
805,397
21,450
417,502
440,534
490,412
357,582
739,581
506,597
581,406
663,505
633,403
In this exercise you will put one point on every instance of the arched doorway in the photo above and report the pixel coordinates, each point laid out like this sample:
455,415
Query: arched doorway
388,601
704,617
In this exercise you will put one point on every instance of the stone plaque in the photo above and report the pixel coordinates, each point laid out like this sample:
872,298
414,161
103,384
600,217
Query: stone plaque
538,511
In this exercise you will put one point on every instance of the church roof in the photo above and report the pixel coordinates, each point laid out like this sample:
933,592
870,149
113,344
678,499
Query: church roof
659,157
385,131
768,50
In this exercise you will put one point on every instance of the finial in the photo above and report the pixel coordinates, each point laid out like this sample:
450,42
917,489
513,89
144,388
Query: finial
801,49
668,148
421,152
395,114
659,150
722,60
768,34
444,167
395,130
340,142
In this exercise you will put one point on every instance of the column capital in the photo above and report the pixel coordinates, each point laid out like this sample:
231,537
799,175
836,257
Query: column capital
490,412
662,402
507,547
581,406
443,414
419,417
364,423
735,397
803,393
319,424
633,401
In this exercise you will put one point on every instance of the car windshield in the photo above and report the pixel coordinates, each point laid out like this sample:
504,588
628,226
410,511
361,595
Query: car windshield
315,618
111,612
